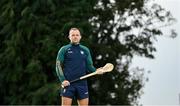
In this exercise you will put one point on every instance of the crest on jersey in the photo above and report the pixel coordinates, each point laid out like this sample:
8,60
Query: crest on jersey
70,51
82,52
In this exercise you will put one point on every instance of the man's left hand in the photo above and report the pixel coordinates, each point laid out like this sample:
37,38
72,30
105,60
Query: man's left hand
99,71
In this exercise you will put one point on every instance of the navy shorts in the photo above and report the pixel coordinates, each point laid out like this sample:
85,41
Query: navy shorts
75,91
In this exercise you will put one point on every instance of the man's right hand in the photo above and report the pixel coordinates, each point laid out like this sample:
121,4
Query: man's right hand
65,83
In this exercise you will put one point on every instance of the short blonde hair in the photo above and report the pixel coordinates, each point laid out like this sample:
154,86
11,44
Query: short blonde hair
74,29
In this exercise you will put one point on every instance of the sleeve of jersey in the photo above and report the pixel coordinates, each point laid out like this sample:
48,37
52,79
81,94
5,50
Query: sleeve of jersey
59,61
90,66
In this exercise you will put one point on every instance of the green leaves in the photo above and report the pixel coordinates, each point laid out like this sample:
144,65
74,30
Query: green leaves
32,32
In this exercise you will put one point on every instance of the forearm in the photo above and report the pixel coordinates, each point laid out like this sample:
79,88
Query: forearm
59,71
91,68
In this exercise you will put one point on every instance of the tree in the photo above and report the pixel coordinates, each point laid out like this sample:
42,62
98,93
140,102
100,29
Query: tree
31,32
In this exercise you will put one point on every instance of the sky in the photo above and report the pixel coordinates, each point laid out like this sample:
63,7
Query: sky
163,87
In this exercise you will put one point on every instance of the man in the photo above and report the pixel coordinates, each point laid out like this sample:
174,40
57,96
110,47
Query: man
73,61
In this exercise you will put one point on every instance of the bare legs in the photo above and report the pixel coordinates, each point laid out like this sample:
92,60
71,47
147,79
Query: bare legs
68,101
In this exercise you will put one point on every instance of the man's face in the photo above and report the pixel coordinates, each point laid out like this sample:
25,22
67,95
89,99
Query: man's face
74,36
